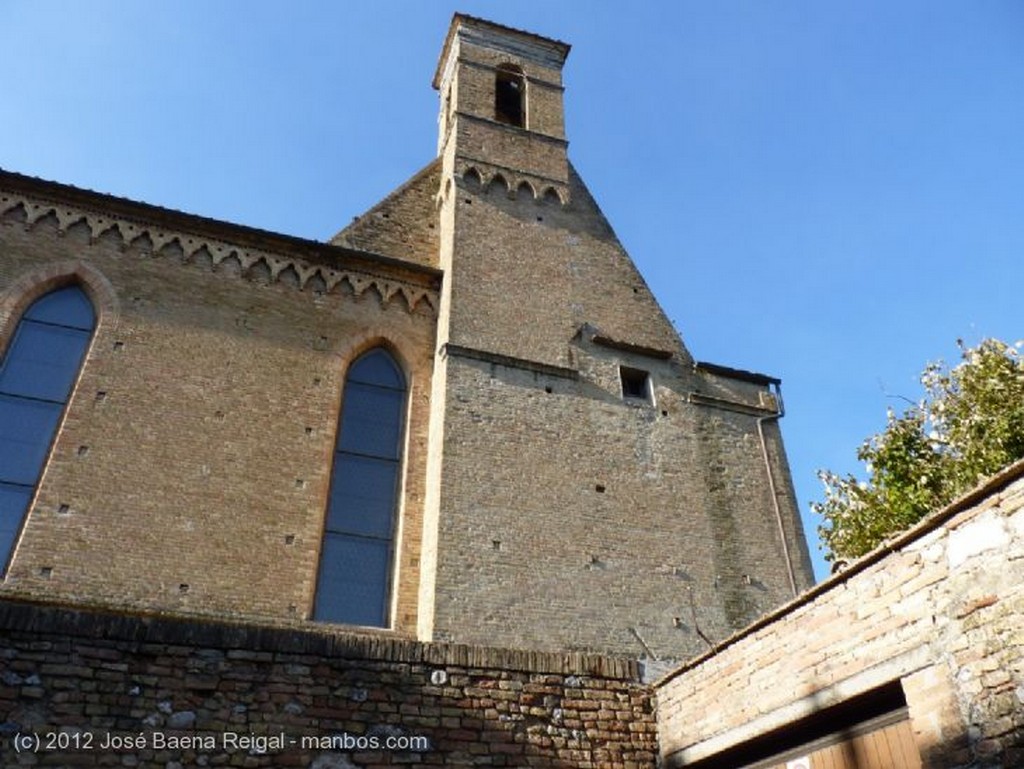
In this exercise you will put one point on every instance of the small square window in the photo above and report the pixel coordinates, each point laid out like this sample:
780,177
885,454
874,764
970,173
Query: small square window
636,384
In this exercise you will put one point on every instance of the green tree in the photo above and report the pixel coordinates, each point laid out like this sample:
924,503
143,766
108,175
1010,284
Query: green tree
968,425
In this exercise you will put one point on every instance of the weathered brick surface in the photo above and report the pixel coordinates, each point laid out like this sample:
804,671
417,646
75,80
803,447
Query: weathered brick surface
88,675
403,225
593,517
683,539
192,469
941,611
539,507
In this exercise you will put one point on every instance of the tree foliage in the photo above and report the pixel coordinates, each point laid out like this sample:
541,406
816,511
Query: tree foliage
968,425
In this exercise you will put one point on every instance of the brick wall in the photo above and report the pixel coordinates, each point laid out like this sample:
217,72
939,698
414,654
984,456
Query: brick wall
183,685
631,527
635,528
562,262
192,468
542,70
939,611
403,225
682,541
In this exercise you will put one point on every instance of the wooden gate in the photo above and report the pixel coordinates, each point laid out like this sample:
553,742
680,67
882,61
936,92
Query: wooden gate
869,731
882,743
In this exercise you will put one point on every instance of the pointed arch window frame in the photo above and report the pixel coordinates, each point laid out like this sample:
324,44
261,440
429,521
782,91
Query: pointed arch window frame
40,366
356,570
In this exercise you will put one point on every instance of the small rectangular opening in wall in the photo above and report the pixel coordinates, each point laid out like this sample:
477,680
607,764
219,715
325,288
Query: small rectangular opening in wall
509,96
636,384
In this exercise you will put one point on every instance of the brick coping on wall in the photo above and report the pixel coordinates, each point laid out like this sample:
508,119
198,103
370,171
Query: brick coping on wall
989,487
139,628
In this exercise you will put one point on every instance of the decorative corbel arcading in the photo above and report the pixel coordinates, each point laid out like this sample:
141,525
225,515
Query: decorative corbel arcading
515,185
217,255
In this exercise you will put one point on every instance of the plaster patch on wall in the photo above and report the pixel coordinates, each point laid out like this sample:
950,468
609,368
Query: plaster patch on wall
984,533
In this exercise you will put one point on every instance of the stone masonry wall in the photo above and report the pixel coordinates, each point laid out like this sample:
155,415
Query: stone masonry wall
939,610
108,690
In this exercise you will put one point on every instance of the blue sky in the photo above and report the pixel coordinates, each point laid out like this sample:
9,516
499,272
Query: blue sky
828,192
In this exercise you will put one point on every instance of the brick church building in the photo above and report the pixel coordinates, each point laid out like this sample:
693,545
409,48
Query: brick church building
452,472
465,418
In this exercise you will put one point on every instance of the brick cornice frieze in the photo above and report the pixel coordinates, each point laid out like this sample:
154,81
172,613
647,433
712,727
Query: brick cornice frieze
255,254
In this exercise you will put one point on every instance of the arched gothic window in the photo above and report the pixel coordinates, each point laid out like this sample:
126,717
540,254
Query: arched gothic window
357,553
510,96
37,374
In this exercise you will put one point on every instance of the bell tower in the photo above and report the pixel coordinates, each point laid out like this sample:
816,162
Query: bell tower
501,105
582,474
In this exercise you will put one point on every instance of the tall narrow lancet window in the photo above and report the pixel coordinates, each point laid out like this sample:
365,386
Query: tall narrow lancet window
359,535
510,96
37,374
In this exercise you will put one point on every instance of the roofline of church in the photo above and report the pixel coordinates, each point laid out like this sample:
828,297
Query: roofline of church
562,48
737,373
238,234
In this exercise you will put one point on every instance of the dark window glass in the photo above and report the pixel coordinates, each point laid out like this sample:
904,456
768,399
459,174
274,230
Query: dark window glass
37,374
372,420
28,428
378,370
64,307
354,580
43,361
13,503
358,547
362,495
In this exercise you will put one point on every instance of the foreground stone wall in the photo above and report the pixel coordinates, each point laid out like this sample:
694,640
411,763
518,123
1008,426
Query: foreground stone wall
938,612
107,690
